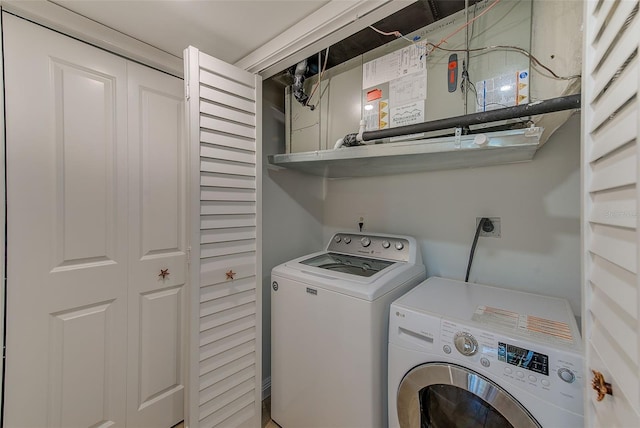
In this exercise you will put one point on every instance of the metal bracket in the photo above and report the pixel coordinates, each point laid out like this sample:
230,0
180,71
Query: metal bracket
457,139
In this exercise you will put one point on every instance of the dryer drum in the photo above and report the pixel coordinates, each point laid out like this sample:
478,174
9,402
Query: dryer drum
438,395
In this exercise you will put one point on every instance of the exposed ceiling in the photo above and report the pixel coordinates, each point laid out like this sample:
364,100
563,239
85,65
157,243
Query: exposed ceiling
231,29
411,18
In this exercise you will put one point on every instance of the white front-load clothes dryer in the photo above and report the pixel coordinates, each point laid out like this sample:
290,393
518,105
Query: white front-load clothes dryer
329,325
470,355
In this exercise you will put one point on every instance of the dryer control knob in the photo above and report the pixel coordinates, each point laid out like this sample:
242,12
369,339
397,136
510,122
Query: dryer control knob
465,343
399,246
365,241
566,375
386,244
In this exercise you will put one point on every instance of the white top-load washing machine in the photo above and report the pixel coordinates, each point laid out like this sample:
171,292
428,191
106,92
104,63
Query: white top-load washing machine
329,324
470,355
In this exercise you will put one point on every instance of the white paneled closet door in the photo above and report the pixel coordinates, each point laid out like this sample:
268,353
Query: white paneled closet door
157,248
67,231
97,239
611,132
225,346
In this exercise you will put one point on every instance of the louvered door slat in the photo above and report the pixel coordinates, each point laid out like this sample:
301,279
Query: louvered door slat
603,11
611,207
216,81
225,194
225,341
228,114
227,167
616,169
234,142
227,153
613,29
225,99
611,118
227,370
621,90
617,283
617,132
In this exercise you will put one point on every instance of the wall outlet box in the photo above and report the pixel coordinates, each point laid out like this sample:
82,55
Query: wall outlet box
495,233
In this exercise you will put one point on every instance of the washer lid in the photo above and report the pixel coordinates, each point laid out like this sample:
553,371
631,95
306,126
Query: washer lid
348,264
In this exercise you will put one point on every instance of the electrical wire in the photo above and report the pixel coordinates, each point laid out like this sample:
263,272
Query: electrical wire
481,223
465,25
391,33
324,66
513,48
398,34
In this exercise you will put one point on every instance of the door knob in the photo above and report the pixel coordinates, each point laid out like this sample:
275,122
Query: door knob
600,386
163,273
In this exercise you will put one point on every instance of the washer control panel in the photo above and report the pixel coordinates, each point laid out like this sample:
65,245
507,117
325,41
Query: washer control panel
385,247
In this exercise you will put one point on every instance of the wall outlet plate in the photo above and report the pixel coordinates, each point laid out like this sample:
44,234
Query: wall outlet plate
495,233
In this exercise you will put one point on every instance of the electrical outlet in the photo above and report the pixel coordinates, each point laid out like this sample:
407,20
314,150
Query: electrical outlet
495,233
361,222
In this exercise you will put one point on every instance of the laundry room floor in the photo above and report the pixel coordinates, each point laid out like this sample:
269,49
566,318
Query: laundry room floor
266,416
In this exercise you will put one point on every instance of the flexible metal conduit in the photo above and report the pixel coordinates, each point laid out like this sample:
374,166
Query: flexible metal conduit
568,102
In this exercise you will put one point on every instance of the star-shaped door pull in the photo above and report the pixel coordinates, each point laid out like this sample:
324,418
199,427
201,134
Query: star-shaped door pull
230,275
164,273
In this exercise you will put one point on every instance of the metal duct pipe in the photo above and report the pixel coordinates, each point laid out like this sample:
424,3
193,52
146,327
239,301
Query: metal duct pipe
568,102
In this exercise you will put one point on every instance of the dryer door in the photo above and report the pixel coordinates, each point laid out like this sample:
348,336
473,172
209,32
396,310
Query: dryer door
441,395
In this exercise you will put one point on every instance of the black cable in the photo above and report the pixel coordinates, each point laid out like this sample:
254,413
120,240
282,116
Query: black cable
473,246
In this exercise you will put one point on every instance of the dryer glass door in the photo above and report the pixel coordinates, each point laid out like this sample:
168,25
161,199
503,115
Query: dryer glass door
441,395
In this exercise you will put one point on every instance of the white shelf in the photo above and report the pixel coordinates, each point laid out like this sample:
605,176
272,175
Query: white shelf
415,155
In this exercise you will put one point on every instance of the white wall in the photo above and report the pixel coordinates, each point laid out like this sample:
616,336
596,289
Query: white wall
538,203
291,213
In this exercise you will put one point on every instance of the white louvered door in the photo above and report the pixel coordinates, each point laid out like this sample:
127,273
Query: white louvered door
611,132
225,303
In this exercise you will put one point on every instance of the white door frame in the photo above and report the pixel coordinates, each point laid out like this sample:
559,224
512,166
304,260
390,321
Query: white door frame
3,222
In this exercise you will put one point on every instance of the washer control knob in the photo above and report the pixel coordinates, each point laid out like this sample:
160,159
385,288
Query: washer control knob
465,343
347,240
399,246
337,239
566,375
386,244
485,362
365,241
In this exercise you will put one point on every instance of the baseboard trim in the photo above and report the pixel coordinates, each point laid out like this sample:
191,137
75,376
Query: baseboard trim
266,387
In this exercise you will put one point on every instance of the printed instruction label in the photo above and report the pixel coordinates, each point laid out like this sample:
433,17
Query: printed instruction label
507,90
548,330
408,89
400,63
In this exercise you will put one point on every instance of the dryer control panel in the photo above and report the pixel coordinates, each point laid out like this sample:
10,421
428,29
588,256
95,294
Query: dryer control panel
551,373
537,368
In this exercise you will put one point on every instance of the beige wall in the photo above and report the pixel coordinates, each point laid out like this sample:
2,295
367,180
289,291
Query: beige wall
538,203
